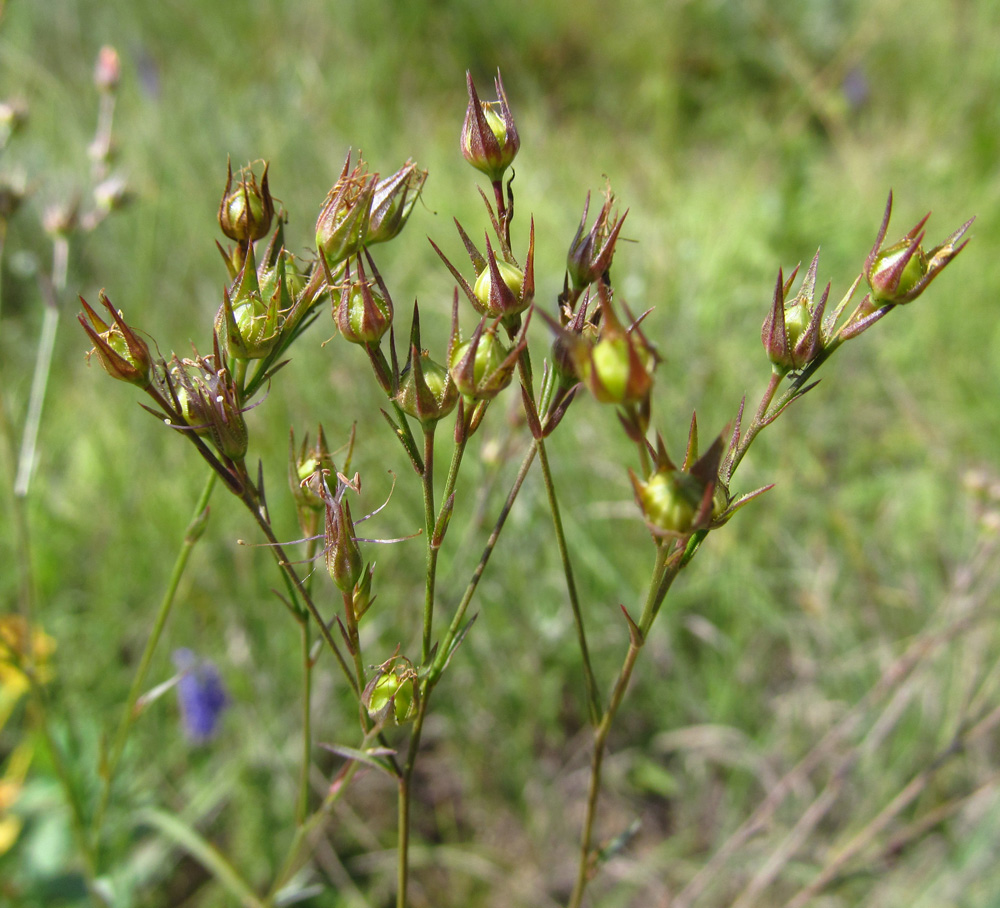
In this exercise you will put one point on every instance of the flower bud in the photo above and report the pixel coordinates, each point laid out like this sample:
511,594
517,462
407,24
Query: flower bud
677,502
589,257
494,301
307,469
392,202
792,333
501,290
250,325
669,501
209,402
123,354
618,368
342,226
899,273
393,695
364,313
426,390
483,366
245,212
489,137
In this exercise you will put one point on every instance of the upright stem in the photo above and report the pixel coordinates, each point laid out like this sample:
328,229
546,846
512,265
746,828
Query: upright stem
302,803
302,808
427,484
458,620
298,590
43,366
664,571
438,666
404,797
433,547
593,698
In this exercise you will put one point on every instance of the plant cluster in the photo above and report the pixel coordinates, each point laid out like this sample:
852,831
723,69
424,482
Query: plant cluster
435,404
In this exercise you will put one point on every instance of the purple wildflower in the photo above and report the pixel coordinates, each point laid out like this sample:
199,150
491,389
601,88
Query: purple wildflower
201,695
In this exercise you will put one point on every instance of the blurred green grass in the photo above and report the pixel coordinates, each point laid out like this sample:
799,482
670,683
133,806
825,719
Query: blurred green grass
728,132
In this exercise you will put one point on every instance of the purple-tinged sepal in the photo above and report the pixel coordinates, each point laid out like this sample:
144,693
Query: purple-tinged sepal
899,273
489,136
123,354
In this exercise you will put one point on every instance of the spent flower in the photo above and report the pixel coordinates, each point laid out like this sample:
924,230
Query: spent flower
392,201
393,694
123,354
307,468
343,557
342,226
208,401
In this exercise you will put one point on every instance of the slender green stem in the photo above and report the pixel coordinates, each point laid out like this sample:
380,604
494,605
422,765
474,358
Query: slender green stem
427,485
3,241
36,402
302,808
585,866
354,639
21,526
404,798
434,673
756,424
296,588
302,803
43,366
192,534
664,570
593,697
433,547
458,620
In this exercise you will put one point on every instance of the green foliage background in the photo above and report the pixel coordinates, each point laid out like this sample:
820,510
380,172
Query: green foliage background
727,131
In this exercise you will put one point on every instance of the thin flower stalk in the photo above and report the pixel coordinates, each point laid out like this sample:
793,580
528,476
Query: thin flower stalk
590,682
664,572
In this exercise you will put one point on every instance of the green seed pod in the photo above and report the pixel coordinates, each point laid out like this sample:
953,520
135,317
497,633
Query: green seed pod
393,695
